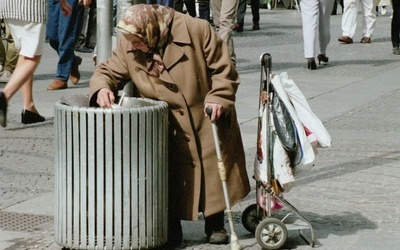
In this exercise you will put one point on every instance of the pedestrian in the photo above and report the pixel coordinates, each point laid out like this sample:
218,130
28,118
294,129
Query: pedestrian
335,6
395,27
349,20
224,14
8,56
241,12
181,60
316,14
189,4
383,4
27,22
63,35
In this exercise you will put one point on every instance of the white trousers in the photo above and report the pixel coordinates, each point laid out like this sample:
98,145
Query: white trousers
315,17
349,18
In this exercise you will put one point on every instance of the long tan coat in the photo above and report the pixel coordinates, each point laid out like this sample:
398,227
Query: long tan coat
198,70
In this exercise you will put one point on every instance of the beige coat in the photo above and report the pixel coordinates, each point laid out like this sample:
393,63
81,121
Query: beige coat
198,70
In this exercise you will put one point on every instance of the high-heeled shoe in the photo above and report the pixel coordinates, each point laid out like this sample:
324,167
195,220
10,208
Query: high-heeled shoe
311,64
3,110
322,57
28,117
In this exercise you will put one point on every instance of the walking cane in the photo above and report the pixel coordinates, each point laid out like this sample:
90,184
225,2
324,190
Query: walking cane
222,174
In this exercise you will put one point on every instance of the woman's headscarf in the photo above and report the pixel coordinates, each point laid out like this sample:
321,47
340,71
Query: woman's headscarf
151,24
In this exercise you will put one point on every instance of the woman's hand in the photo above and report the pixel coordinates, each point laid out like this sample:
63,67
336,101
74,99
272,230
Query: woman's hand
217,110
105,98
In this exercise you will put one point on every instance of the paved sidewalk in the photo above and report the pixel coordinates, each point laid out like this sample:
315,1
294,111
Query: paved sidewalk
351,194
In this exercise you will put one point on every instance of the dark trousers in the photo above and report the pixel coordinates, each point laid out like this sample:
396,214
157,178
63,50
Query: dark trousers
395,28
255,11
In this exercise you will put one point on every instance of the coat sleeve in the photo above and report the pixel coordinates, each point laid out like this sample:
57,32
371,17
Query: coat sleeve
224,79
113,73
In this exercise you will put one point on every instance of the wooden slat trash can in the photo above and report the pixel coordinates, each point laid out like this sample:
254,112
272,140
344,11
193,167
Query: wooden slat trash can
111,175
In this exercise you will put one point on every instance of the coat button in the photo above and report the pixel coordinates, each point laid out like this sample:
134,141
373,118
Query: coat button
181,111
187,138
194,164
172,87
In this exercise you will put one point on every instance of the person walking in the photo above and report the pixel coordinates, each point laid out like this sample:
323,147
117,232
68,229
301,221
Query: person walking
349,22
241,12
27,22
395,27
63,35
8,56
316,14
158,44
224,15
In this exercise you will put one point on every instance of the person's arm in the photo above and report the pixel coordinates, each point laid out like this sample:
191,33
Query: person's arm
110,75
224,77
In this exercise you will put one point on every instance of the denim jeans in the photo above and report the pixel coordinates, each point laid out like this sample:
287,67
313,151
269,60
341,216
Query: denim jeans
63,33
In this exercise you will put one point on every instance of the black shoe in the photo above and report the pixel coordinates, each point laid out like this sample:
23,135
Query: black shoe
311,64
218,237
28,117
3,110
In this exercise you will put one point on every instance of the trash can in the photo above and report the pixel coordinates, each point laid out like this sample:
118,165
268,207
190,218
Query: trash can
111,175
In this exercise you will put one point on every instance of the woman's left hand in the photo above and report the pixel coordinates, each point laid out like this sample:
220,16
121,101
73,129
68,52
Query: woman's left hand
217,110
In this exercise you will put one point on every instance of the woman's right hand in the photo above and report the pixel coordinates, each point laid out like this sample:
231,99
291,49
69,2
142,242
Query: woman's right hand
105,98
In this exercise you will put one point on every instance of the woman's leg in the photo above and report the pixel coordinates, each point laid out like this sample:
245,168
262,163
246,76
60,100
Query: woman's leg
22,77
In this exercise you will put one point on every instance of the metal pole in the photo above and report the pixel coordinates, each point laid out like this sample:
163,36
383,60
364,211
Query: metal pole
104,29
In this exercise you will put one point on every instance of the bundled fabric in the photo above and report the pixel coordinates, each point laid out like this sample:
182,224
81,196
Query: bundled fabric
291,133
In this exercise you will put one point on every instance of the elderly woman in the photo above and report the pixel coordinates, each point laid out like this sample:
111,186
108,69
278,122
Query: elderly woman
178,59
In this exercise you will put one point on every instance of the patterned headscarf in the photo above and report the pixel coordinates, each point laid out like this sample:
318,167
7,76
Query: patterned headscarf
151,24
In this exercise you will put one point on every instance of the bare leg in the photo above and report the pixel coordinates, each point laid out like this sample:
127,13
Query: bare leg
22,77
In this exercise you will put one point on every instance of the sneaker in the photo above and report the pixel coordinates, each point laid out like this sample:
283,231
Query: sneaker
396,51
5,77
218,237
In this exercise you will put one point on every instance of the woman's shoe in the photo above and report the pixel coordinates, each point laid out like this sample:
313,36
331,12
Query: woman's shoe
322,57
3,110
311,63
28,117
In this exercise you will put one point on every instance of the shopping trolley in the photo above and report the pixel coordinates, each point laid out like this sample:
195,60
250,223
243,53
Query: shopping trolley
270,228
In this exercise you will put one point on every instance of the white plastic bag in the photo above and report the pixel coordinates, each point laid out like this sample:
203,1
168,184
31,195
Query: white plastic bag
305,154
304,113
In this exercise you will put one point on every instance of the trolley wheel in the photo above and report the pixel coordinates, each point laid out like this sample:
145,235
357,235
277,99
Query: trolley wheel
250,218
271,233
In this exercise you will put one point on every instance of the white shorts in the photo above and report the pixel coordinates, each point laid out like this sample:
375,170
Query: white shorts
28,37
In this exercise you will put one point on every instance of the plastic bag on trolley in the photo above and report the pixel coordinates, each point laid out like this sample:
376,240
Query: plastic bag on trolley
309,134
277,147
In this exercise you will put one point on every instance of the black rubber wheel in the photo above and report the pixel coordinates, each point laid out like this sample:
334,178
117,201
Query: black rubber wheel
271,233
250,218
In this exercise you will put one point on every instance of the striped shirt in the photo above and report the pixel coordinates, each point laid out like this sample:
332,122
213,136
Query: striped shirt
24,10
